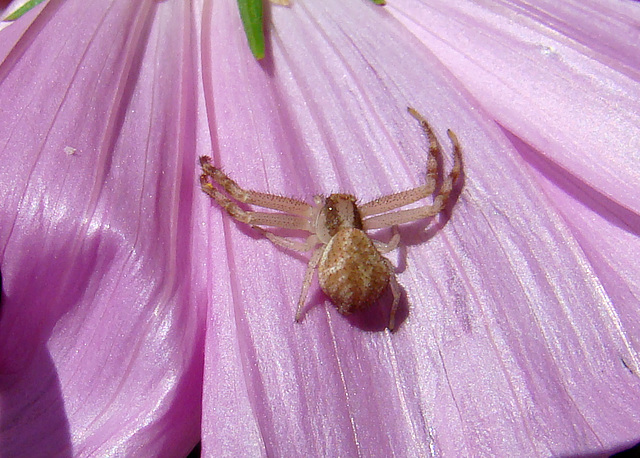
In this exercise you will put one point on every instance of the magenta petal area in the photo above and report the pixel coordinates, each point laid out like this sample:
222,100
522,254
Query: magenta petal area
100,329
509,344
562,76
136,317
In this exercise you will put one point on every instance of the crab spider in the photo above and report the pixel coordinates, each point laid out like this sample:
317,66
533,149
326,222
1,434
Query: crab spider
352,270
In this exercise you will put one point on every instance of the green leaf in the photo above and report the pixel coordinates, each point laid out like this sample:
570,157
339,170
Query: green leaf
379,2
251,14
23,9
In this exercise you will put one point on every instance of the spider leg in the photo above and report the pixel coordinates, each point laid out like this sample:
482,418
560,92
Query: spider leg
287,243
400,199
391,245
396,292
439,201
261,199
308,276
283,220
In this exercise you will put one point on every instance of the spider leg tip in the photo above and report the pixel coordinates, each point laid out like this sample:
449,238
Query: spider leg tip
417,116
299,317
454,139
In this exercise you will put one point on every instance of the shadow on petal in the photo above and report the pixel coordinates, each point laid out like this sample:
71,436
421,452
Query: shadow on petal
35,391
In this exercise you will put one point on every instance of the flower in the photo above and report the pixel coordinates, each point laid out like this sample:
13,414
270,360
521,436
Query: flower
137,317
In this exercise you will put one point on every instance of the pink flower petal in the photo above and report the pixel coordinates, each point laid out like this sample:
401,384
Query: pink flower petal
563,76
100,333
511,346
578,108
522,326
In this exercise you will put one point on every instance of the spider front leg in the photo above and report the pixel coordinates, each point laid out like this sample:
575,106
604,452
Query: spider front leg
406,197
295,213
400,199
261,199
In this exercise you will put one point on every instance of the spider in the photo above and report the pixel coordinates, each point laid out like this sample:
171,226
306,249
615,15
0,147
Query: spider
352,270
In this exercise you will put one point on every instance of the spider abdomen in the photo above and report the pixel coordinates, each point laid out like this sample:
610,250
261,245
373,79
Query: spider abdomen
352,272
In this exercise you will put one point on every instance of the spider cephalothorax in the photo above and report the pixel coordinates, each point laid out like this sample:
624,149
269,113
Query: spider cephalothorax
352,270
